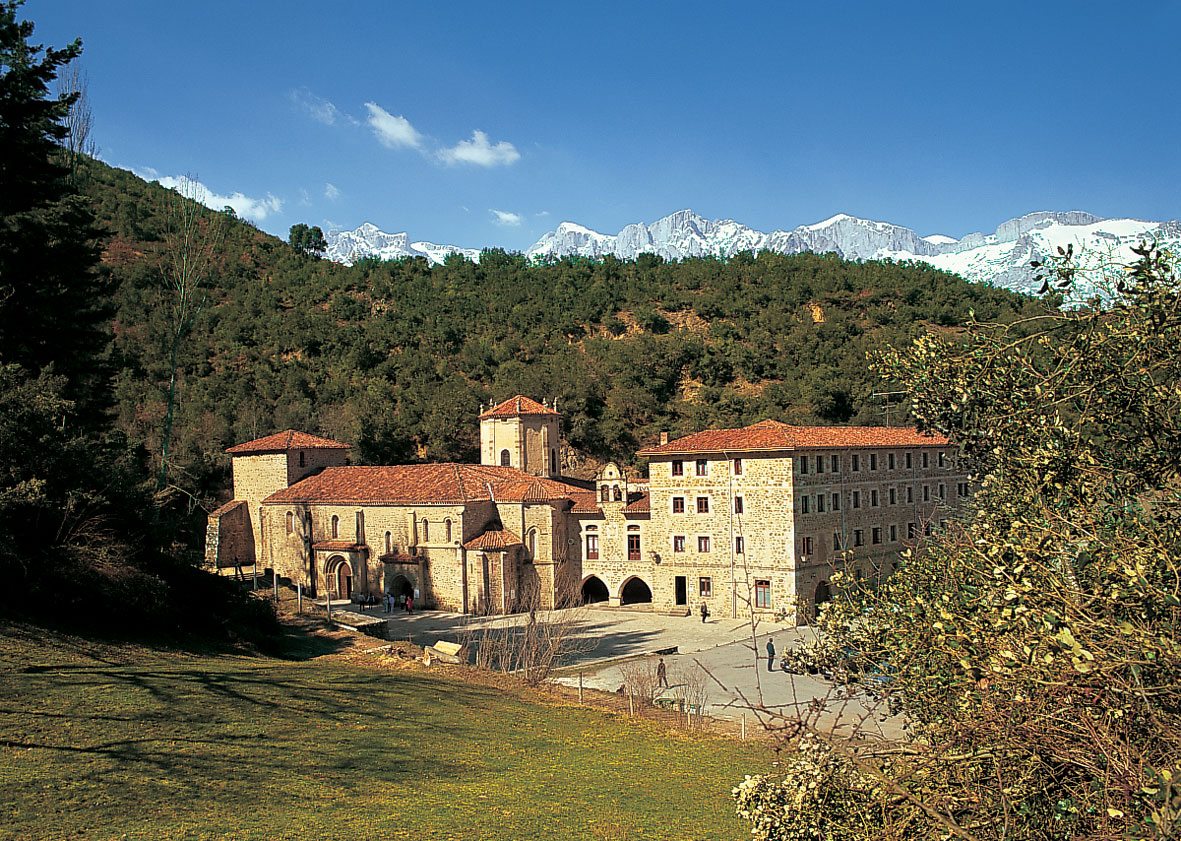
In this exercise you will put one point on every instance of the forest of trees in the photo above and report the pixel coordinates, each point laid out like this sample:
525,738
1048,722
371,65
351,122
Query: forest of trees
396,357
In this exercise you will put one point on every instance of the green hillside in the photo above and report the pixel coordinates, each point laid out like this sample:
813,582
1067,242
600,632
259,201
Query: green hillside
396,357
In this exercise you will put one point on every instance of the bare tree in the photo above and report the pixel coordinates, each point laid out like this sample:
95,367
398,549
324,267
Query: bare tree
73,83
193,237
531,645
640,680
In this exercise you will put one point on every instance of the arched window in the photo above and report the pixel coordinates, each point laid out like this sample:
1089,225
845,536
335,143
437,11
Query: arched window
425,531
388,543
447,530
618,494
531,543
335,526
606,493
505,459
290,522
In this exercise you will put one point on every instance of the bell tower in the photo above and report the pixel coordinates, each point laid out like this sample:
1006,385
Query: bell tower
524,434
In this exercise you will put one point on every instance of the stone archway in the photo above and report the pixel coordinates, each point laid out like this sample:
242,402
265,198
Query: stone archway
400,585
635,591
594,590
823,594
339,573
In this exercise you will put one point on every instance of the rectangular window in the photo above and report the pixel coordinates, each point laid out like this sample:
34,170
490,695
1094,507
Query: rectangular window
678,543
702,467
633,547
739,545
805,546
678,468
819,464
926,493
873,461
738,505
909,461
893,534
873,498
890,461
858,537
703,505
910,494
703,544
819,503
875,536
942,459
856,463
912,531
737,467
928,529
856,499
836,541
804,505
762,593
926,459
893,496
803,465
962,488
704,587
836,502
678,505
592,547
835,464
942,491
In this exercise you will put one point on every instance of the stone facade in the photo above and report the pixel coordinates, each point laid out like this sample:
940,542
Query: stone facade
751,520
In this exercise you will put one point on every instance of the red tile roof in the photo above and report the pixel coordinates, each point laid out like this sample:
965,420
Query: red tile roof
585,502
289,439
493,541
516,407
639,505
420,484
773,435
227,508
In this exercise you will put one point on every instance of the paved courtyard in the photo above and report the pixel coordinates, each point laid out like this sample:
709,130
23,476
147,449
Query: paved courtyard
733,658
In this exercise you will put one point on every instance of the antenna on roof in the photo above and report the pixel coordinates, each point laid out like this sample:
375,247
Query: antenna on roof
887,395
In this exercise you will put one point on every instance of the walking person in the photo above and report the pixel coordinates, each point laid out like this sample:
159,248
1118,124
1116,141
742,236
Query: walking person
704,612
661,674
770,654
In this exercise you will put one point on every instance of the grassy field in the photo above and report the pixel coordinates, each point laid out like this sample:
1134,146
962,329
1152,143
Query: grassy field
111,742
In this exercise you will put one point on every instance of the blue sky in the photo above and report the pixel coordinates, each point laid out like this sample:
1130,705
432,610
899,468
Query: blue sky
485,124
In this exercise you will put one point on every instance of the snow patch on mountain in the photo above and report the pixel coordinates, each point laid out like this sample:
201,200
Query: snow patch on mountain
1001,258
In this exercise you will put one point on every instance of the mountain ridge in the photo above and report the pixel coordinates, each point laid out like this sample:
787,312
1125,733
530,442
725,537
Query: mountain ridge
1001,258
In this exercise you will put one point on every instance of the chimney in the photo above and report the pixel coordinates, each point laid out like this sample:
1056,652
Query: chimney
664,438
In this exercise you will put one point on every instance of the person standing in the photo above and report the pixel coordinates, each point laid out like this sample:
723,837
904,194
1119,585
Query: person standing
661,674
704,612
410,605
770,654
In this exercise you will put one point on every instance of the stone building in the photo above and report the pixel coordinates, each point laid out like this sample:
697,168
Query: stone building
752,519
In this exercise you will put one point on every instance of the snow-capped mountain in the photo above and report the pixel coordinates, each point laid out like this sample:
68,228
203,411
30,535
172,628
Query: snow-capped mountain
370,241
1001,258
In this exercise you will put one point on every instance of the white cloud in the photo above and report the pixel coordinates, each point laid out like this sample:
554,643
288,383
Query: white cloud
480,152
505,219
542,214
392,131
318,108
331,191
244,206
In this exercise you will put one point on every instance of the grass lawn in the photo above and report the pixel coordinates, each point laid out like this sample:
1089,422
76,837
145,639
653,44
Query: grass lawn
113,742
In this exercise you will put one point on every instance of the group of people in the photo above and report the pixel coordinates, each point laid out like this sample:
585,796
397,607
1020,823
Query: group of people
404,601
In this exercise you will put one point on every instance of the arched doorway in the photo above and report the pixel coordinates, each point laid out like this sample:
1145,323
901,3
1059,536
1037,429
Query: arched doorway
340,578
400,585
823,594
594,590
635,591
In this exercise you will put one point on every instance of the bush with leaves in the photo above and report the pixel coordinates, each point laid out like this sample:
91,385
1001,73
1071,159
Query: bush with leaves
1035,648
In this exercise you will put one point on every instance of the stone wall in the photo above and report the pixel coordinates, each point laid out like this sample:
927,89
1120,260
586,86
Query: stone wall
229,538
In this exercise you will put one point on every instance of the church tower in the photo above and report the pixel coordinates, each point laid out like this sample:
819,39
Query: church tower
524,434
